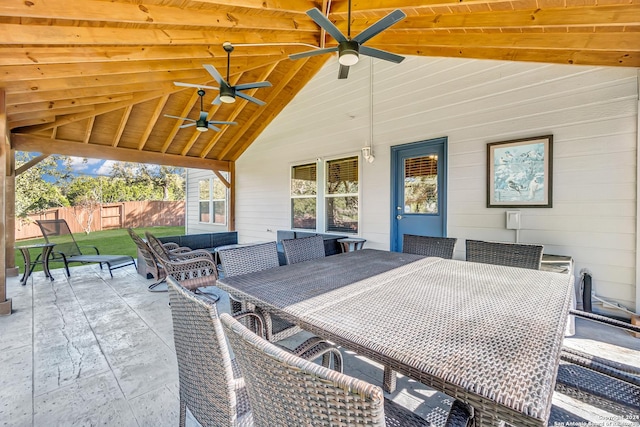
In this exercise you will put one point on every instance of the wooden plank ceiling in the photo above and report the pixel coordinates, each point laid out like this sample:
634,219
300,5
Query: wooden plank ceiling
95,78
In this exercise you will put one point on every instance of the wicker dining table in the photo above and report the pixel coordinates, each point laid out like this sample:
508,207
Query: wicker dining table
486,334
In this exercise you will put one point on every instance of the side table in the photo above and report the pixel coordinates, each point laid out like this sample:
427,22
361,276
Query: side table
350,244
42,258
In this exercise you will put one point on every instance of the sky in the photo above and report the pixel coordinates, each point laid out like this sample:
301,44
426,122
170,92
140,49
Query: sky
91,166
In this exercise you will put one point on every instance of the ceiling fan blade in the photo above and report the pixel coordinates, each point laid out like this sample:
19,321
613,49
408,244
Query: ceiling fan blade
216,122
381,54
328,26
212,127
188,125
250,98
381,25
343,73
214,73
203,115
179,118
313,52
252,85
216,101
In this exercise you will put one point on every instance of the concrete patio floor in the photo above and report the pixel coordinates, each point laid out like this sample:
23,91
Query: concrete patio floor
96,350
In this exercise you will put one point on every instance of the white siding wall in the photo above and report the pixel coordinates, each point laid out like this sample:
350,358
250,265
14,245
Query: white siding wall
591,112
192,223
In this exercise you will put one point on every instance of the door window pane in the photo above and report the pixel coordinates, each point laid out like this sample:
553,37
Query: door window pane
219,202
421,185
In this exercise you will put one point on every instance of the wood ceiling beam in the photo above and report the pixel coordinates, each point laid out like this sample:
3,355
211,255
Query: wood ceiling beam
89,128
152,121
15,73
557,56
105,108
596,16
28,165
599,41
147,14
17,34
241,104
411,7
291,6
24,117
63,104
123,123
36,55
40,96
33,143
50,85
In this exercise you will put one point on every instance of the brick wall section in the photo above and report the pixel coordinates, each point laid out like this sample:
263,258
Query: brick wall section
109,216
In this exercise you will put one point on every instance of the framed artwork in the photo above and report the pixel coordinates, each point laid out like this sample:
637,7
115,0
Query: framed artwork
519,173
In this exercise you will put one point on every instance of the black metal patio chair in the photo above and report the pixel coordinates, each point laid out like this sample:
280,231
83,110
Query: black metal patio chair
66,249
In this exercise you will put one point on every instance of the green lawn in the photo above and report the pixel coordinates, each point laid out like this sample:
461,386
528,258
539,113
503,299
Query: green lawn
108,242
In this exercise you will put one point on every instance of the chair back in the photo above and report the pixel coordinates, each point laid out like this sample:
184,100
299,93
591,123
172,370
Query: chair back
157,248
509,254
287,390
192,273
428,246
248,259
303,249
149,259
57,231
204,363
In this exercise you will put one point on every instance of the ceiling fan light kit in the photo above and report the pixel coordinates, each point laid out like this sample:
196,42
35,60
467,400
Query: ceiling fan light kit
348,52
349,49
202,124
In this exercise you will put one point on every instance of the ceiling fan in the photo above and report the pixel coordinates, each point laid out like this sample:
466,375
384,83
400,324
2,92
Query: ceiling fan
202,124
227,92
349,48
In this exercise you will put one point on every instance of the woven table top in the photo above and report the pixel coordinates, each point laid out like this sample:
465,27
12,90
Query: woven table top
487,334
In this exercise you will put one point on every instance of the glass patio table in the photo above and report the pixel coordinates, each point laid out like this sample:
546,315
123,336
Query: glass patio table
485,334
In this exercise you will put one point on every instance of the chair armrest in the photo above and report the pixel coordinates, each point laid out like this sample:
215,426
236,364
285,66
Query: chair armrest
260,321
88,246
171,245
197,253
461,415
179,250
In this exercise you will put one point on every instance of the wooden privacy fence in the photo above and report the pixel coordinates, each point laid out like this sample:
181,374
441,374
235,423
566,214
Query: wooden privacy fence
107,216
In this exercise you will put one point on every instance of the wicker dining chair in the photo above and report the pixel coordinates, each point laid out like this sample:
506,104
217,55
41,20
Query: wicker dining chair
429,246
153,265
250,259
179,253
286,390
509,254
195,270
210,382
303,249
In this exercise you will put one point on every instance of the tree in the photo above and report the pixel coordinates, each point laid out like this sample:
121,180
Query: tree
39,187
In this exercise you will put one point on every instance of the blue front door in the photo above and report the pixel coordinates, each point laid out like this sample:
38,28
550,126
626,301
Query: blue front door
418,186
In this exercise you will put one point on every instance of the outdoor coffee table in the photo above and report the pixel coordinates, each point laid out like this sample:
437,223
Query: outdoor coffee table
43,259
485,334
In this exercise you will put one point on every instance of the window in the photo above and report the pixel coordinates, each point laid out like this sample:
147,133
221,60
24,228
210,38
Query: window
304,184
332,207
421,185
212,201
341,195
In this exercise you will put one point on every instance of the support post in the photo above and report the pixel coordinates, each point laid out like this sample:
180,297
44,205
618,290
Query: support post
232,196
5,150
